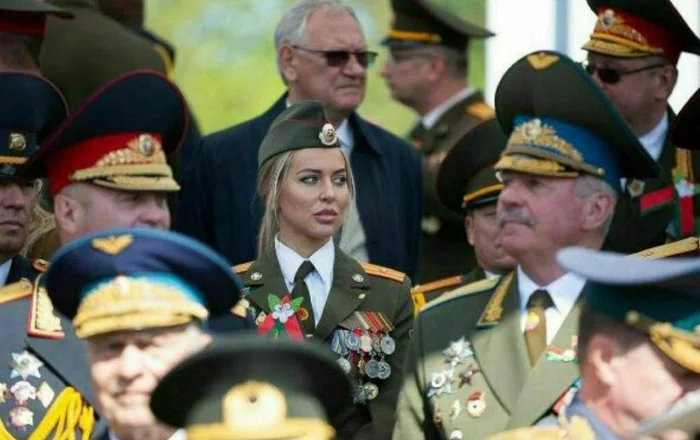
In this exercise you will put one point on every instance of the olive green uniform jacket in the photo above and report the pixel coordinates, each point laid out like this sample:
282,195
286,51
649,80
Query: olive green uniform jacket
492,387
356,287
445,248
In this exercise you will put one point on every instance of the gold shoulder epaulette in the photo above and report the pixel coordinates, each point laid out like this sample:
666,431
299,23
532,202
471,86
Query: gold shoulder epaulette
466,290
13,291
437,285
679,247
40,265
242,268
383,272
481,110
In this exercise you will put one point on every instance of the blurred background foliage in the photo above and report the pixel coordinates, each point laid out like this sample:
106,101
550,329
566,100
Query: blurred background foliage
226,60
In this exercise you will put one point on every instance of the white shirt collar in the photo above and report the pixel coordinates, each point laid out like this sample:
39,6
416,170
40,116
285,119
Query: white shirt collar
5,271
431,118
322,260
564,291
654,141
490,275
347,139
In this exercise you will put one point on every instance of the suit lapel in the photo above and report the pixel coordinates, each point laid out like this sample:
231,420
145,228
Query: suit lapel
500,350
549,379
350,284
264,278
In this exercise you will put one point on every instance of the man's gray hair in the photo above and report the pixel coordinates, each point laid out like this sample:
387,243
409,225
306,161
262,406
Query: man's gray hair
587,185
292,27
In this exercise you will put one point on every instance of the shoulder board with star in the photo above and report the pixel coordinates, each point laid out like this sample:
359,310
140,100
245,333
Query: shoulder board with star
437,285
383,272
17,290
242,268
674,249
480,110
40,265
480,286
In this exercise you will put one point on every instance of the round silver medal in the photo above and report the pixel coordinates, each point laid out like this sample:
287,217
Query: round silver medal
345,365
384,370
372,369
388,345
353,342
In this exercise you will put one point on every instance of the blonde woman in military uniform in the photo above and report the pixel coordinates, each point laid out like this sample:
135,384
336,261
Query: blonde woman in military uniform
303,286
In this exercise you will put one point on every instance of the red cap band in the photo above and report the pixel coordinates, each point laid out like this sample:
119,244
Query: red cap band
63,163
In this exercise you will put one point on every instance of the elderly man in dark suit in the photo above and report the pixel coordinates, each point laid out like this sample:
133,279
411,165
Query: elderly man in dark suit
322,55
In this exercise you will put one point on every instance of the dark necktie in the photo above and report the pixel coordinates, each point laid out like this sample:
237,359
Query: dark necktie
301,290
536,324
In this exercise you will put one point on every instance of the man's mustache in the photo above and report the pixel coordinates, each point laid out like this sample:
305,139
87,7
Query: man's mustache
514,216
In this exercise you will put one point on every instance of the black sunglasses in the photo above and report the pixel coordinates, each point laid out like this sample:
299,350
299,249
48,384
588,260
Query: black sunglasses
339,58
613,76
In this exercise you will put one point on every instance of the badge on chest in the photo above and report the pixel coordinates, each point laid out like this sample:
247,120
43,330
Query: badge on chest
363,342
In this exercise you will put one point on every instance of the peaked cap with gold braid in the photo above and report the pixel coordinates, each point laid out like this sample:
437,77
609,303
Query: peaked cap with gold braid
466,178
30,109
119,138
248,388
420,22
657,297
640,28
561,124
131,279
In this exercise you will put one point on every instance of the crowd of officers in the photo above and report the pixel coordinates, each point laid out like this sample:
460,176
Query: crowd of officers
283,306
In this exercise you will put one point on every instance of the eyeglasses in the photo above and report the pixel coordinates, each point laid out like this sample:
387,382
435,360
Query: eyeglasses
613,76
339,58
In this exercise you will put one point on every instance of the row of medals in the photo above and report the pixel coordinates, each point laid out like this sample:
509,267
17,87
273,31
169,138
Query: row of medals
23,366
362,357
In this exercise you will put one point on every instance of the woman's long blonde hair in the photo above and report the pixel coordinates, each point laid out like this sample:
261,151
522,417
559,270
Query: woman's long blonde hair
270,177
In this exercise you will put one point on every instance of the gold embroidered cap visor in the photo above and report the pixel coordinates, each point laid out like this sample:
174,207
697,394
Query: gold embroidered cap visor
657,297
466,178
562,125
250,388
119,138
133,279
640,28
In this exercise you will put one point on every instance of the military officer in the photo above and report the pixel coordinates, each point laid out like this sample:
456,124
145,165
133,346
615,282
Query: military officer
45,389
106,165
467,185
304,286
427,72
233,390
484,361
632,55
639,325
141,299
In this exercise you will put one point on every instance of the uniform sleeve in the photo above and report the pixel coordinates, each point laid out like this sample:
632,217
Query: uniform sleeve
383,408
413,417
194,216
